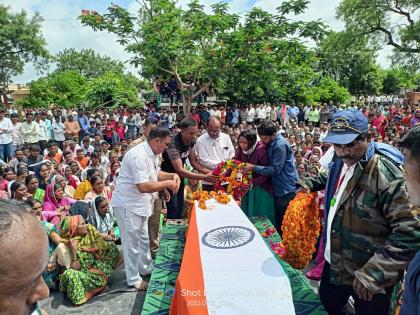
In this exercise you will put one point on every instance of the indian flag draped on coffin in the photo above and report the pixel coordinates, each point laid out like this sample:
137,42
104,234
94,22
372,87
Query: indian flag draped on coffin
227,268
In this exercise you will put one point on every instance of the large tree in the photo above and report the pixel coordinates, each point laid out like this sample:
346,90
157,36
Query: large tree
70,88
87,62
65,89
112,90
351,61
21,42
165,39
396,22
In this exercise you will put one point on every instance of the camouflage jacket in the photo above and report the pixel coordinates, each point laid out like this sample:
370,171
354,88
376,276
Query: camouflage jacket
375,231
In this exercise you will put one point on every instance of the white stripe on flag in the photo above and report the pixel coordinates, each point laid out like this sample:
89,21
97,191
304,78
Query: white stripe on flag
241,275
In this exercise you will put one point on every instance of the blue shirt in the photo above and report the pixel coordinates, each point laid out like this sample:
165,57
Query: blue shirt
282,168
411,294
84,123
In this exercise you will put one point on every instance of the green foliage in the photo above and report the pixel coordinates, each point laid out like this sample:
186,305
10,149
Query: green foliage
328,90
217,47
87,63
70,89
112,90
392,22
65,89
351,61
396,79
21,42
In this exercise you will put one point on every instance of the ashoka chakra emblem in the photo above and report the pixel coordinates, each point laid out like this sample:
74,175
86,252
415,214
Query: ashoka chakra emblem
228,237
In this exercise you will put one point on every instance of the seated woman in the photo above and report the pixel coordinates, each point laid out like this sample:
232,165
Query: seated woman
32,185
43,175
50,275
68,190
102,218
17,191
72,180
7,175
91,262
55,206
98,189
259,200
76,169
85,186
115,167
21,174
99,214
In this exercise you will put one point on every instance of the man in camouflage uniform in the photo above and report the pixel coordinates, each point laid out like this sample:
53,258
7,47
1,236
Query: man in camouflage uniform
371,230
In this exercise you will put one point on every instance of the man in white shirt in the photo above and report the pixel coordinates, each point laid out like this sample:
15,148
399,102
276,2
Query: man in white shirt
16,135
215,112
42,132
250,115
58,131
6,141
29,130
139,181
213,147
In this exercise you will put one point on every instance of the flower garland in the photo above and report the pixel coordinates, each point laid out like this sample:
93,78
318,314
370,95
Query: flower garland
233,179
301,227
220,196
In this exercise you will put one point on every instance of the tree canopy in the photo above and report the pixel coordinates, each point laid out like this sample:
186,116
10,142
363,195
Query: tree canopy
21,42
86,62
70,88
166,40
351,61
394,22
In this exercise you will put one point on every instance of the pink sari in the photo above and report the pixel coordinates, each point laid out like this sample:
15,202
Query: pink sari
50,207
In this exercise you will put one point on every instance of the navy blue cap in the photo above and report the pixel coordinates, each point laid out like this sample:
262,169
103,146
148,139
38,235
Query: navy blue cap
346,126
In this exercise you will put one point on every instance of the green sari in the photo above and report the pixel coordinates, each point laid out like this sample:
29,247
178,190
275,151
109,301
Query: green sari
50,276
97,260
258,202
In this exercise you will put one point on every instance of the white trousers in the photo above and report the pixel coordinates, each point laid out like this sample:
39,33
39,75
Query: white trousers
135,244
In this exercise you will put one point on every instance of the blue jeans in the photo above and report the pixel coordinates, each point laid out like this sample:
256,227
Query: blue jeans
6,152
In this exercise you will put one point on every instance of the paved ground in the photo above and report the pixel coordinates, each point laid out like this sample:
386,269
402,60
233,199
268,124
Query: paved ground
118,300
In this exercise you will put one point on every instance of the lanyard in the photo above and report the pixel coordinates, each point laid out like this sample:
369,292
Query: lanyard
338,185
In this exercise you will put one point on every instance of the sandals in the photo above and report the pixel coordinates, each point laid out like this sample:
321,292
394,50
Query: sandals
141,286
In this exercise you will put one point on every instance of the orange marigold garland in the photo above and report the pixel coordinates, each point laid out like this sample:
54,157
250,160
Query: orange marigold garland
201,196
301,227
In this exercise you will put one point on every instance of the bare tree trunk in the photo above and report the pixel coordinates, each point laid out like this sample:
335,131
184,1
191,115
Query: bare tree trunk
186,103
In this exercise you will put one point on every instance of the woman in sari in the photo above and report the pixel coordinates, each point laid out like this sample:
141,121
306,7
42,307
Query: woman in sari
68,190
55,206
72,180
115,167
92,260
50,275
85,186
259,200
102,218
17,191
32,185
43,175
98,189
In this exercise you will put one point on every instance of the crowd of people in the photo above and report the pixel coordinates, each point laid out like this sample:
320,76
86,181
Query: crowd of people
94,179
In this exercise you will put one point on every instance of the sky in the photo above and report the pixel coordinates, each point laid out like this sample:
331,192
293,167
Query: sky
61,28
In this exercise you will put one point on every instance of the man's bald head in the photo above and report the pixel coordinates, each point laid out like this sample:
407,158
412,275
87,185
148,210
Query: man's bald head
24,248
214,126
